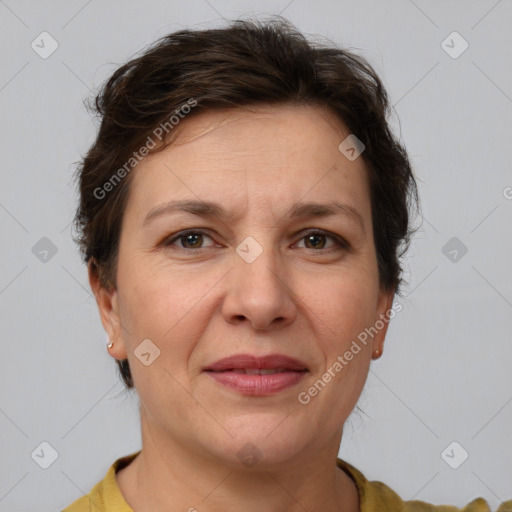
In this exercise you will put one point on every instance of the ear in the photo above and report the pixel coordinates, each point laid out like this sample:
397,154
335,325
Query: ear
384,313
108,305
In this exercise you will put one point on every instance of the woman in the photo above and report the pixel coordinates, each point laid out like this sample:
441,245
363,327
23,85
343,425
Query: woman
242,214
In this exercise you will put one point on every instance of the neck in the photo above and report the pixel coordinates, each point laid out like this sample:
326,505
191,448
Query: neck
167,473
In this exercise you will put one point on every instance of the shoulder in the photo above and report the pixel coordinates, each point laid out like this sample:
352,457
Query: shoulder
84,504
105,495
378,497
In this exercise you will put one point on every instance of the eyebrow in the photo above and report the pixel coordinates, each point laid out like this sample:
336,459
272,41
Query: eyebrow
298,211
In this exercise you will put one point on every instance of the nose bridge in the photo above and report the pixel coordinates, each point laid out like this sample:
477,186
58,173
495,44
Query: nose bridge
257,290
258,262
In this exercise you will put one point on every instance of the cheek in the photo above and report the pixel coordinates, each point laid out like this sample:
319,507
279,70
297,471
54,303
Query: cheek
342,316
158,297
349,309
345,307
170,307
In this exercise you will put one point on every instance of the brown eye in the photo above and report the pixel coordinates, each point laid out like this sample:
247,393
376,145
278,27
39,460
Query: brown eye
318,240
189,240
192,241
315,241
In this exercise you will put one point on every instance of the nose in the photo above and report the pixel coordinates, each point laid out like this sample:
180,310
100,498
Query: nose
259,293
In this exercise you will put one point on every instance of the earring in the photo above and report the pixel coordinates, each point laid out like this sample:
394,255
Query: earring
376,354
110,345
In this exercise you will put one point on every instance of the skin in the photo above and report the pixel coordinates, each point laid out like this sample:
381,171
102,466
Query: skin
306,299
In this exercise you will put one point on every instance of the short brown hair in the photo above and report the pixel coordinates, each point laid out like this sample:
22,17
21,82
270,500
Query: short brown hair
247,63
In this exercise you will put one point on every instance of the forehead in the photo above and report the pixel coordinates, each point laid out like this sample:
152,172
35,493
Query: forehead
266,156
262,134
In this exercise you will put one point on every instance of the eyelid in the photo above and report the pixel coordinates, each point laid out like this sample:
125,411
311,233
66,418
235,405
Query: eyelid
181,234
338,240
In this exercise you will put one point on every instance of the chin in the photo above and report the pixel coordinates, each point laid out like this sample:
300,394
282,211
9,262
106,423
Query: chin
261,439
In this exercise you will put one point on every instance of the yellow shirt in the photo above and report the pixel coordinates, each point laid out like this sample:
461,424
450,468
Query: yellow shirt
105,496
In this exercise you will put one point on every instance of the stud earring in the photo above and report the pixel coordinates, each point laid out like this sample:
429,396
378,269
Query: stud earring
110,345
376,354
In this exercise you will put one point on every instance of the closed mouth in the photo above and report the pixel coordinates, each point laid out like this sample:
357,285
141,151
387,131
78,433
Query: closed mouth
257,365
258,371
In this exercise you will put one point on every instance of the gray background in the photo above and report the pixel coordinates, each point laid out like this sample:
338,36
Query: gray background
445,374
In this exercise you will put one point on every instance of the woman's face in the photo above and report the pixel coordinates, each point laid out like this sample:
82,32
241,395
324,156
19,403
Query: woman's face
263,274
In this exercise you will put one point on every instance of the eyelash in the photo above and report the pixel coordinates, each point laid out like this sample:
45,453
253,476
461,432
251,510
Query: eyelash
339,241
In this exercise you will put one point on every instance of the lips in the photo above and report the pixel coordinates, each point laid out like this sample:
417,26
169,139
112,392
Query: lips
257,376
257,371
252,365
